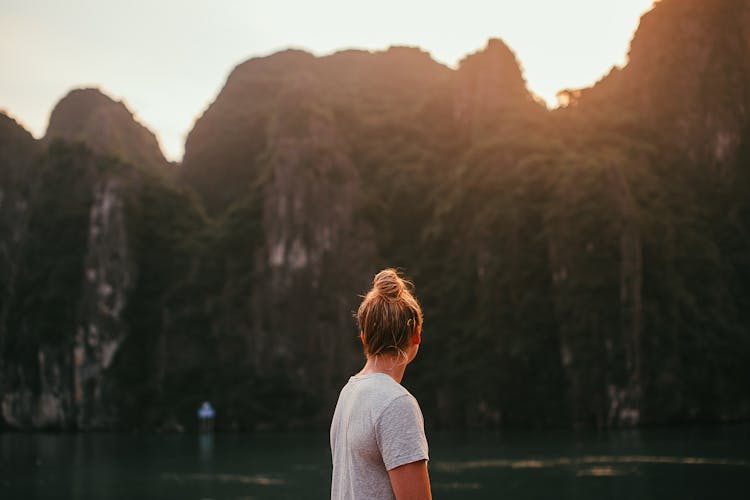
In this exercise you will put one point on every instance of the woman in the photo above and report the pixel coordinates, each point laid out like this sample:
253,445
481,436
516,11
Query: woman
377,434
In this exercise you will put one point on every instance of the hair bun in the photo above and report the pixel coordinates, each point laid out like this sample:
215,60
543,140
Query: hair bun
388,284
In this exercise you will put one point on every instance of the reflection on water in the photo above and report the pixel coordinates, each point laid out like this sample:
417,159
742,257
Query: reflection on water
455,486
605,471
206,446
224,478
567,461
657,463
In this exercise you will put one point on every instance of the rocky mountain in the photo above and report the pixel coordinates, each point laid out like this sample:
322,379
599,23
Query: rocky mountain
674,118
106,126
225,149
18,153
71,261
46,367
586,266
687,77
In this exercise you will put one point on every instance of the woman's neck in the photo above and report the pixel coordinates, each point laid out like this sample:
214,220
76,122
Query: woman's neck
392,365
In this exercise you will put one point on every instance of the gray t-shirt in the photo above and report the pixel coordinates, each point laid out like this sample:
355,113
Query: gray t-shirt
377,426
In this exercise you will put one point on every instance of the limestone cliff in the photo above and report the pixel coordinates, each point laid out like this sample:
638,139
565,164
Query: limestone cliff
687,79
227,144
312,253
106,126
18,155
109,275
490,90
224,147
52,375
314,250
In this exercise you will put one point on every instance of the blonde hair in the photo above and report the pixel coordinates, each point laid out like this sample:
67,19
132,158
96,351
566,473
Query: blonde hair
388,315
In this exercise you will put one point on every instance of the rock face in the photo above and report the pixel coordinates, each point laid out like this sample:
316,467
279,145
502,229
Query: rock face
314,249
67,273
490,86
18,153
104,125
684,93
36,386
687,77
109,275
225,150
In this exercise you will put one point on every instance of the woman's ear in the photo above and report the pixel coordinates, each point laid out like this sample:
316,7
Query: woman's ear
416,337
362,337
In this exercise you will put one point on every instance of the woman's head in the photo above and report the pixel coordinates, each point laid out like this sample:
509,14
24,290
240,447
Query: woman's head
389,316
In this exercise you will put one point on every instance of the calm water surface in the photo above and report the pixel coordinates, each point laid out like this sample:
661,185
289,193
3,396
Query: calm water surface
680,463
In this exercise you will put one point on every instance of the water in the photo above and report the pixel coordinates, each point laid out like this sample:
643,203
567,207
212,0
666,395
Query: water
681,463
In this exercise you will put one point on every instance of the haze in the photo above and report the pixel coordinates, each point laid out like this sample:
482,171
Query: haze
168,59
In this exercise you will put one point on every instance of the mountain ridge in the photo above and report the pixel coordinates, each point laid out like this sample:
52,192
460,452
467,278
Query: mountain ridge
106,126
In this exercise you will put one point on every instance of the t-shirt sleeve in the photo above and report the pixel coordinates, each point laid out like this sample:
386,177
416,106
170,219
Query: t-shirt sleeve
400,433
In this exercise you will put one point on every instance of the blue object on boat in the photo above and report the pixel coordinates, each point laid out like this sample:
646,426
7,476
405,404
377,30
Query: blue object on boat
206,411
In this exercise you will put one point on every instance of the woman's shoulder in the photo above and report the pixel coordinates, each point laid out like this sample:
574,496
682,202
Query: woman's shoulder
378,387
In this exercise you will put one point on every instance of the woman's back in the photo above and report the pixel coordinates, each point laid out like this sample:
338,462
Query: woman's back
377,426
378,444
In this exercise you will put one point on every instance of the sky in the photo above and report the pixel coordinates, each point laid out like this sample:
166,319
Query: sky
168,59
